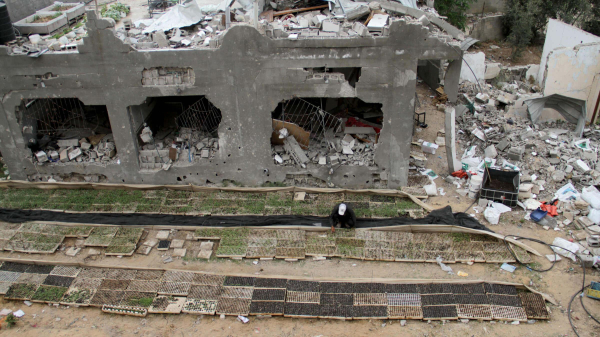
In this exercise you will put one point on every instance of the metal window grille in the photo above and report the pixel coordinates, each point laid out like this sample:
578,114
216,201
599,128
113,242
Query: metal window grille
310,117
200,116
55,115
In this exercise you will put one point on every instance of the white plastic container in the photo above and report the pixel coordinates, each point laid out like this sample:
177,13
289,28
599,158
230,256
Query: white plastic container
428,147
475,183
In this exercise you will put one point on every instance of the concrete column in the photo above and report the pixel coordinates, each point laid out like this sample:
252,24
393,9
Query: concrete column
450,129
12,145
125,141
451,80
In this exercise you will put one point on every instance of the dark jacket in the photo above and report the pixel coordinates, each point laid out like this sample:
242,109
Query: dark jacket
347,220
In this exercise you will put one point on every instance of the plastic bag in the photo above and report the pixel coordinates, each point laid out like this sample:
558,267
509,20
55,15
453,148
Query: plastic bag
430,189
594,215
592,196
492,215
444,266
572,247
567,192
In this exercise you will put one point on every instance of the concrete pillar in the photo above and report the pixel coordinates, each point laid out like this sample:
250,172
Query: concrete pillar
125,140
451,80
450,129
12,144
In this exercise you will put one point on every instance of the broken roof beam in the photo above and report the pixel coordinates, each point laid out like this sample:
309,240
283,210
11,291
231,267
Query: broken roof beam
298,10
417,13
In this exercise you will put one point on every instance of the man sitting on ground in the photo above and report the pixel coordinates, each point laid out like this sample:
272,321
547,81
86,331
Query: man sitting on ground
342,215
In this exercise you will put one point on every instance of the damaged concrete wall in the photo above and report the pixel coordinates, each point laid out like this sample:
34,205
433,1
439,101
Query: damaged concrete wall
489,28
19,9
487,6
245,79
562,35
574,72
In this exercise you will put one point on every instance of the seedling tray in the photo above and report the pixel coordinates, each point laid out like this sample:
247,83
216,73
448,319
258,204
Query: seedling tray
32,278
233,306
469,288
366,288
437,299
125,310
178,276
75,296
174,288
208,279
121,274
205,292
290,253
508,313
239,281
319,250
93,273
404,299
440,312
9,276
336,299
481,299
260,252
86,283
167,305
534,305
303,297
307,286
48,294
500,289
59,281
370,299
336,312
434,288
65,271
237,292
369,312
405,312
266,294
163,245
39,269
504,300
138,299
270,283
199,307
336,287
144,286
21,291
301,310
148,275
402,288
109,297
108,284
470,311
15,267
267,308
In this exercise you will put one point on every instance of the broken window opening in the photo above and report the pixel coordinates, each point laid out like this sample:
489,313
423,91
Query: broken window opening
328,75
176,131
64,130
326,131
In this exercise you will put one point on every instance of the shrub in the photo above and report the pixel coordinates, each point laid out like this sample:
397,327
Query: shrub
455,10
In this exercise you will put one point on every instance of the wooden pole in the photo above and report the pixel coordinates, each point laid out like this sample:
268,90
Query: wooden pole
297,10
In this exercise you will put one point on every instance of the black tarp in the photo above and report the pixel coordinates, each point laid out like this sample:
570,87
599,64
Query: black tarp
442,216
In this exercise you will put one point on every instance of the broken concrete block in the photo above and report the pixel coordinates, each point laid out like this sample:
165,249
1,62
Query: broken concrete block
205,254
162,235
492,70
490,152
581,166
322,160
146,135
293,148
75,153
360,29
179,252
476,63
330,26
481,97
176,243
86,146
558,176
516,153
424,20
144,250
205,153
160,39
41,156
347,150
54,155
206,246
68,142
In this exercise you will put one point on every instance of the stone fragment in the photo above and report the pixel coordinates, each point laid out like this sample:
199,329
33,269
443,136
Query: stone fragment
179,252
162,235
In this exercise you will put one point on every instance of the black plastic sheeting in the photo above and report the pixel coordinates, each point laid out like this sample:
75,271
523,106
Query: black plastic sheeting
442,216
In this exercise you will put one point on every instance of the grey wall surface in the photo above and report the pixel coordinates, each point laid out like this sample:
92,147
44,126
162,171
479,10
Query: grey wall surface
19,9
246,77
487,6
488,29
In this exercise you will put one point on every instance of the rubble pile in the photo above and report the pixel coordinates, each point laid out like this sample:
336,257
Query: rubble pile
185,149
554,164
348,150
99,149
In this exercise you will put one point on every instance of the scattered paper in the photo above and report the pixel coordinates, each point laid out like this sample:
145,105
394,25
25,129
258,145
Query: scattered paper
19,313
243,319
509,268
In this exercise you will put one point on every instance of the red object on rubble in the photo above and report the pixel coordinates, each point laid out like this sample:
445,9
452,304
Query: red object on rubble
460,174
550,208
355,122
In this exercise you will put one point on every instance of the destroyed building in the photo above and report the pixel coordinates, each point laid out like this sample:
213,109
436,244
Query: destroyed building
261,102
